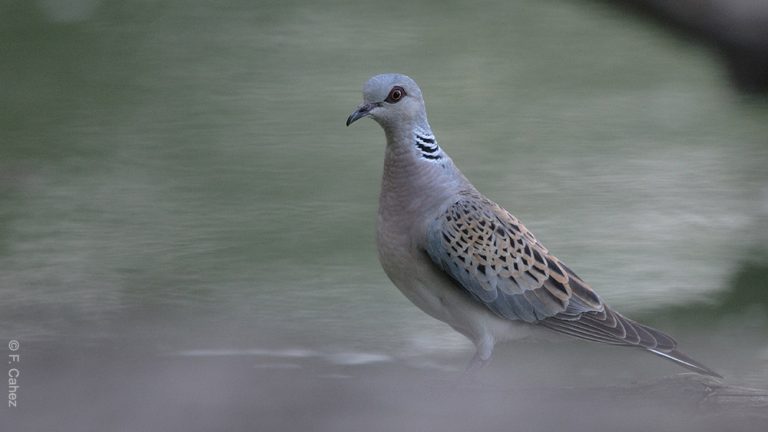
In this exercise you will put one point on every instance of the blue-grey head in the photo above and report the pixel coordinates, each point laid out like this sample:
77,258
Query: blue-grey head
392,100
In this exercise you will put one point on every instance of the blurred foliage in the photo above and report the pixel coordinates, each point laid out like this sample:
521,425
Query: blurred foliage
744,300
749,288
735,29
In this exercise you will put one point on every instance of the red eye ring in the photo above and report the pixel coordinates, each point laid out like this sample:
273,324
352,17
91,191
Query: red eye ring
395,95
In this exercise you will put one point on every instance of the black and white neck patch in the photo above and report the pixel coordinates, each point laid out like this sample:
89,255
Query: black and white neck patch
427,146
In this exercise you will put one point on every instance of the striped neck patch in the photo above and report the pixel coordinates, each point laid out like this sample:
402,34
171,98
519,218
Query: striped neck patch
427,146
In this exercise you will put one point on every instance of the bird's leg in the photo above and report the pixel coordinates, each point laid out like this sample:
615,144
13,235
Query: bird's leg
478,362
482,356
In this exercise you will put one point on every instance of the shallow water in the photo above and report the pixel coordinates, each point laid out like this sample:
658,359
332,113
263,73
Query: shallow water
183,214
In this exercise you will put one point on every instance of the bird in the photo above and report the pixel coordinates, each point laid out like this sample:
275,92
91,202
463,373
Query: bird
465,260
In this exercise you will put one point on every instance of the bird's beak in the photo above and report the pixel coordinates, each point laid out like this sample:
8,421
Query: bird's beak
361,111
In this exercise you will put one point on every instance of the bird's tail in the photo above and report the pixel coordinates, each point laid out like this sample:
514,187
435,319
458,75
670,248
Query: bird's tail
683,360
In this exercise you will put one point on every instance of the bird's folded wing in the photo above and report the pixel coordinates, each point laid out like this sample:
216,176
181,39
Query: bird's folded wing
494,257
489,253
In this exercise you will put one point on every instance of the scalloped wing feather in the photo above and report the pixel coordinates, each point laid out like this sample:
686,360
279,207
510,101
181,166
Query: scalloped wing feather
497,260
494,257
489,253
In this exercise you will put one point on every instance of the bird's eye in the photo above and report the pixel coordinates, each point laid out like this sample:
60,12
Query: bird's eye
395,94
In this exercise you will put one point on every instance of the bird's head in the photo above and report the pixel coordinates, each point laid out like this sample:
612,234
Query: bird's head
391,99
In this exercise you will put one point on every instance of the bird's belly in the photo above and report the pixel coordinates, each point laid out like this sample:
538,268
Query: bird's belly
435,293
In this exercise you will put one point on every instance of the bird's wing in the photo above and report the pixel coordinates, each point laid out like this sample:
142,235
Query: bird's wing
494,257
489,253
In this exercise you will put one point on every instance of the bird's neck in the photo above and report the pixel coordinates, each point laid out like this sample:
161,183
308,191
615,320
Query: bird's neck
418,175
414,145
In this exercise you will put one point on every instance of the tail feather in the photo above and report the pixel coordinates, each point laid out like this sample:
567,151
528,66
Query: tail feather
683,360
608,326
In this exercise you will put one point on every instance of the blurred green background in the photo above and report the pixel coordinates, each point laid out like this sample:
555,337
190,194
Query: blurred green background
177,175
